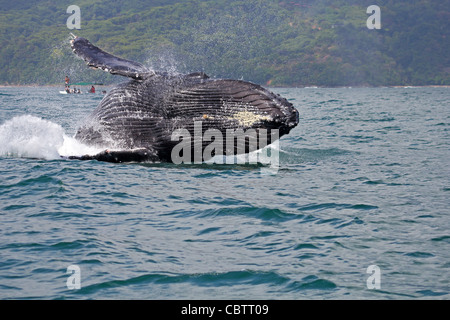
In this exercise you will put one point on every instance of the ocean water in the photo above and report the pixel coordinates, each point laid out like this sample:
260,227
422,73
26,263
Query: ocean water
362,181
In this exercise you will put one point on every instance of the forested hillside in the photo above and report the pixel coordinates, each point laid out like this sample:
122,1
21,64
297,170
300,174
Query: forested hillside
280,43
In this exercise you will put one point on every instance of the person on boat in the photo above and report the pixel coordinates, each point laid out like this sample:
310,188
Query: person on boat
92,89
67,85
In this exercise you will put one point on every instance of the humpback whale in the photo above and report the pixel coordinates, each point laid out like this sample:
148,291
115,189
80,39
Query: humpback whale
136,120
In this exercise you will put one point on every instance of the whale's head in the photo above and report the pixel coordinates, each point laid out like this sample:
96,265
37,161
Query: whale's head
253,106
282,114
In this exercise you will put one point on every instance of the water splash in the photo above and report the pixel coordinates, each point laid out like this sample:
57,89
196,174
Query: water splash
164,59
32,137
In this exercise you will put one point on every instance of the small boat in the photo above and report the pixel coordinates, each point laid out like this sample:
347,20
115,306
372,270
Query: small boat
71,91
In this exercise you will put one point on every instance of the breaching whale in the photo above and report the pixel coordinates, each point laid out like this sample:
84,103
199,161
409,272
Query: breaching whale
137,119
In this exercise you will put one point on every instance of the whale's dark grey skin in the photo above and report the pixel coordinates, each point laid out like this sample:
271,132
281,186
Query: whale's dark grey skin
138,117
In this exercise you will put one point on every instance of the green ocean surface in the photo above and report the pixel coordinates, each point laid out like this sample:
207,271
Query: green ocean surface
363,180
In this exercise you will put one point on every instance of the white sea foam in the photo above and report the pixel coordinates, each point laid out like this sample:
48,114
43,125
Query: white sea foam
32,137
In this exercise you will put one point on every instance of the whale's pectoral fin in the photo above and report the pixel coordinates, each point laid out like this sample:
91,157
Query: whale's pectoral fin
119,156
99,59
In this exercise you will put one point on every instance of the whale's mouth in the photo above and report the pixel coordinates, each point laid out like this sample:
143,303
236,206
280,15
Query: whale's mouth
291,120
284,116
121,156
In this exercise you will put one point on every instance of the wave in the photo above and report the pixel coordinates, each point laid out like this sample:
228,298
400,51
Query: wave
235,278
262,213
28,136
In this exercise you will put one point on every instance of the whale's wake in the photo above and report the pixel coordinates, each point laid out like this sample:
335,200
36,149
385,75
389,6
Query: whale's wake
28,136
